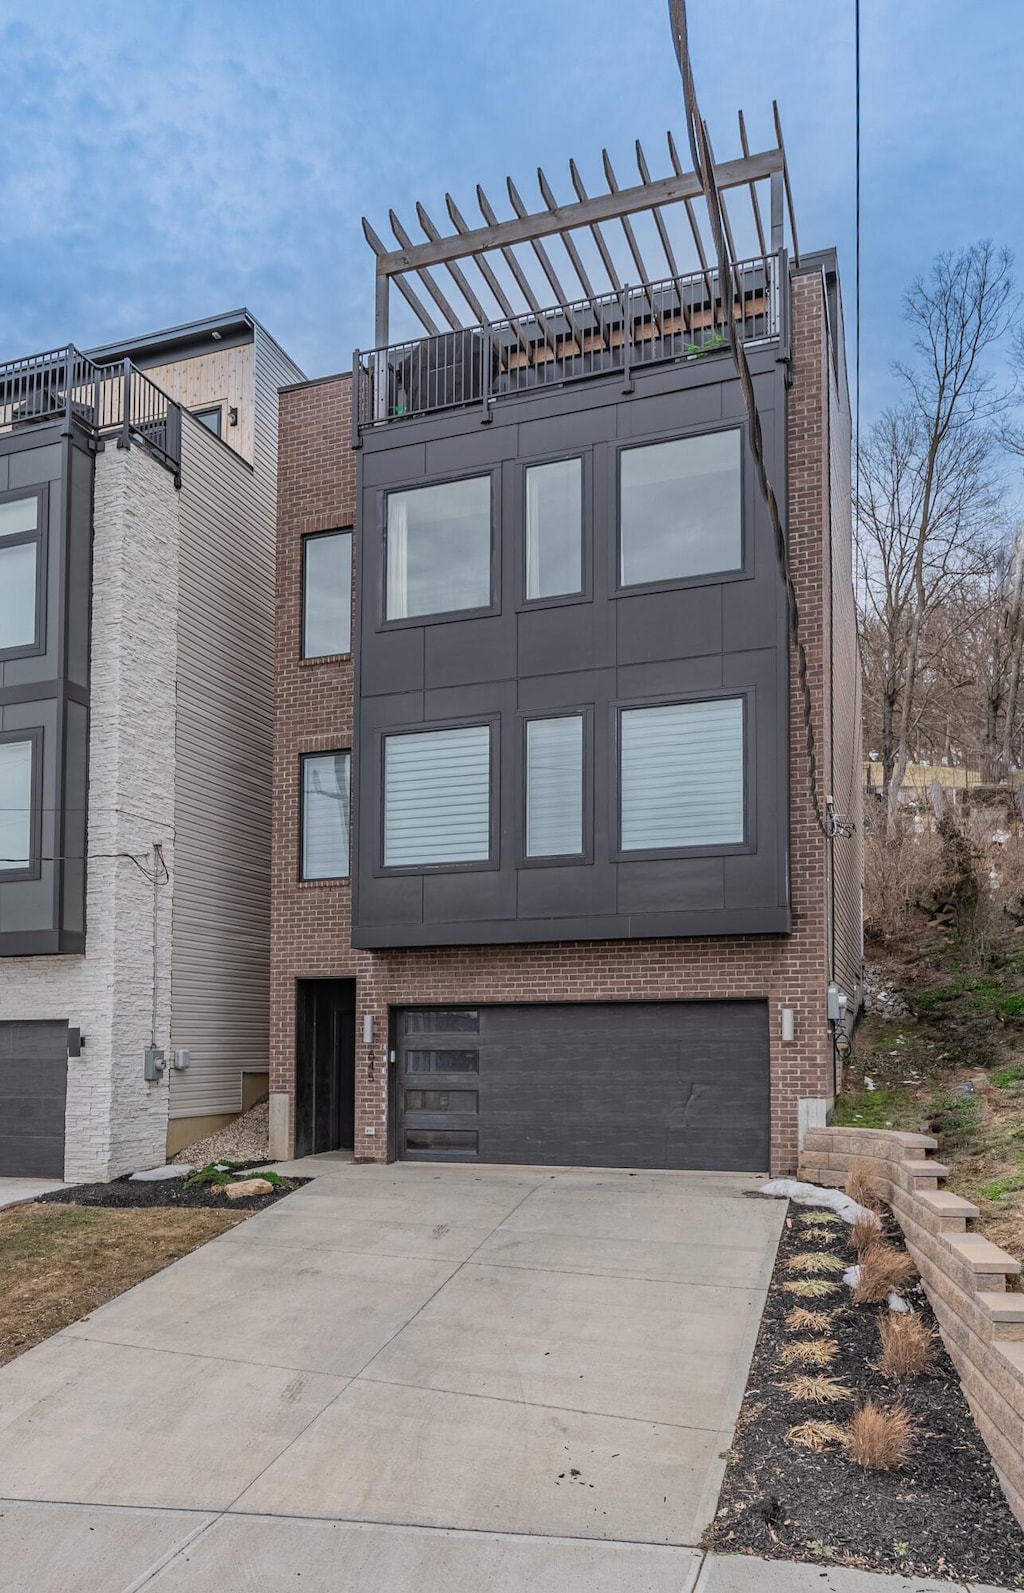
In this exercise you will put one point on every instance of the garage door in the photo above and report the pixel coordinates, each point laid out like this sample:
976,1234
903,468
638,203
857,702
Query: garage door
644,1084
33,1088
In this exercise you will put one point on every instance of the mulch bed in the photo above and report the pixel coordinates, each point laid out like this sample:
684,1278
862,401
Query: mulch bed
123,1194
943,1515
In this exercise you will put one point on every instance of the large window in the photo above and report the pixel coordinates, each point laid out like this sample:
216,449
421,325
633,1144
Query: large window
680,509
325,815
682,775
437,797
19,573
554,786
439,548
554,529
326,594
16,817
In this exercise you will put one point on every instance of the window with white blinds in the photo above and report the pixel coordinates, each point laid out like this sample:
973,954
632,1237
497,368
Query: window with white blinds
681,774
554,786
437,797
325,815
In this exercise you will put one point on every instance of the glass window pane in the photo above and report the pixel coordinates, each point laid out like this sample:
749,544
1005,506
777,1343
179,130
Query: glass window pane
442,1062
210,418
437,797
554,528
554,787
680,510
441,1020
327,595
682,775
325,816
18,593
441,1139
439,548
441,1101
15,805
19,514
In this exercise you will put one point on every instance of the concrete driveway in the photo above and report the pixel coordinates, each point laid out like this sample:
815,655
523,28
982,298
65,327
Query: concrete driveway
401,1378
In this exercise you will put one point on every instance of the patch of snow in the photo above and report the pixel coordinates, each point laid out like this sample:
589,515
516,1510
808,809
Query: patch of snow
851,1277
869,1084
897,1303
813,1195
156,1175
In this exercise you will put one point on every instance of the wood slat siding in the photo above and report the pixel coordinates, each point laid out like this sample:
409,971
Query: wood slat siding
224,746
846,700
225,377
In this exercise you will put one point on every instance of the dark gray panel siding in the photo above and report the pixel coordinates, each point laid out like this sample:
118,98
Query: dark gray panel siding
599,652
33,1088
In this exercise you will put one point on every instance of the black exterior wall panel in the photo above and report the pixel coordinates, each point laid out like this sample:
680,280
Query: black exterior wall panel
596,653
33,1092
645,1084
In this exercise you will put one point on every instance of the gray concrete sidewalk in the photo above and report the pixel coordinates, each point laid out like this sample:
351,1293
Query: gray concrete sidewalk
15,1191
406,1378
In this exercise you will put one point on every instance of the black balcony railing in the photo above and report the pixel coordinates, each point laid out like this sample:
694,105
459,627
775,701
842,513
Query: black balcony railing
677,319
109,400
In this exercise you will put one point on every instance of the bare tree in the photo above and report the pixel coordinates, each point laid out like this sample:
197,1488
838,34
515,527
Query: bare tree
927,497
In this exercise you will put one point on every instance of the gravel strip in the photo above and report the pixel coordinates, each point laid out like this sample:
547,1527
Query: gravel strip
247,1138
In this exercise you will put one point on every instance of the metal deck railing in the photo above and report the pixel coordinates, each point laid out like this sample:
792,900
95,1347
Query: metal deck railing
109,400
676,319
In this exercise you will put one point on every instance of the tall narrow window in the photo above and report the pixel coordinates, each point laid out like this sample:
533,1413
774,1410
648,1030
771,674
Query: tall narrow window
325,815
682,775
19,573
437,797
326,594
680,508
554,529
439,548
15,806
554,787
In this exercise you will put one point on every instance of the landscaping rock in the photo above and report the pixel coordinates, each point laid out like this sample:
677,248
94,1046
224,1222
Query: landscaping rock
154,1175
248,1186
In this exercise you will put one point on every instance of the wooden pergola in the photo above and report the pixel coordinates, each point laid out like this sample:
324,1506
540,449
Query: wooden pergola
474,275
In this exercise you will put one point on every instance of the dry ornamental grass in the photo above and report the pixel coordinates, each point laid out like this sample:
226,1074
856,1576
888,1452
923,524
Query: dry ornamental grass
817,1390
863,1185
883,1268
812,1352
820,1219
863,1232
801,1320
816,1262
880,1437
908,1346
810,1288
816,1435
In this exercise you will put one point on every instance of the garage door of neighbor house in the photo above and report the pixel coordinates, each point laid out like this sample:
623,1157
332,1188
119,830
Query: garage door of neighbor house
33,1089
640,1084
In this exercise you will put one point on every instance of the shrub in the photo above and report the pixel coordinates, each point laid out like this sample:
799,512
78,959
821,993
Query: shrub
817,1390
883,1268
880,1437
908,1346
821,1219
863,1184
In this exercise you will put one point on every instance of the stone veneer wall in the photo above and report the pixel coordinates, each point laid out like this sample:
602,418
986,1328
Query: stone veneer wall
114,1120
965,1277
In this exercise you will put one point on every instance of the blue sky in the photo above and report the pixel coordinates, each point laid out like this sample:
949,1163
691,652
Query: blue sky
160,163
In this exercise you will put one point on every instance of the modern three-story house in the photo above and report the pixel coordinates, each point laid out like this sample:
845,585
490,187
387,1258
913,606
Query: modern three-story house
137,512
554,880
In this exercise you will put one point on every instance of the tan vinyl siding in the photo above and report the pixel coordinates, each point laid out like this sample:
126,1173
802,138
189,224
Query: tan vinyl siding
224,743
222,377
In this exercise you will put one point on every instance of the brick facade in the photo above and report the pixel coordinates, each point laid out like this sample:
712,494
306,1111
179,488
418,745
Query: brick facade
317,492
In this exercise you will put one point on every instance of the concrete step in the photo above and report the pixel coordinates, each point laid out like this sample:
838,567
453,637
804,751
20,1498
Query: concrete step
951,1212
983,1257
1006,1312
926,1174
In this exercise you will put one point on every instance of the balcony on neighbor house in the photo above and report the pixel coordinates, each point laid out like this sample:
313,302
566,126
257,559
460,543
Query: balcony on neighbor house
117,402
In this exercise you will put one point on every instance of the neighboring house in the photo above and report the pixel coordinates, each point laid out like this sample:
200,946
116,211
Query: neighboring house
587,914
137,505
